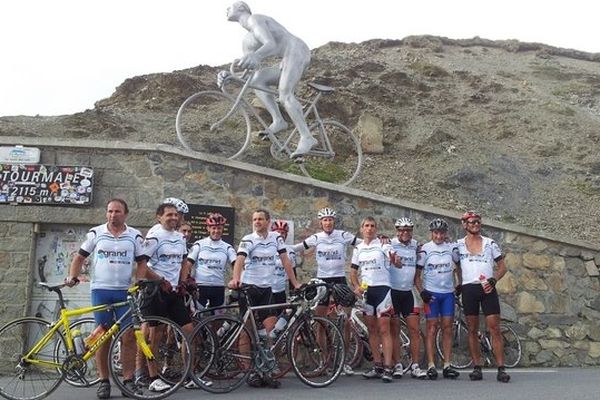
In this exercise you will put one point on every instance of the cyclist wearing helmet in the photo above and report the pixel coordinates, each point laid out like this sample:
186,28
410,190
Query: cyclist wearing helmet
180,205
279,276
478,255
330,254
208,260
254,265
406,303
166,250
435,279
375,259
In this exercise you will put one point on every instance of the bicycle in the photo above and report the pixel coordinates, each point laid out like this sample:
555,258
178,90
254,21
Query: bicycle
241,348
219,123
37,355
461,357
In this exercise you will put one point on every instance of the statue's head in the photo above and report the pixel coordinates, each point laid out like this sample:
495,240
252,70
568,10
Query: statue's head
236,10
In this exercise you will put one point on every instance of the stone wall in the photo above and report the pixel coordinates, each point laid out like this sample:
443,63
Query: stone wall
550,292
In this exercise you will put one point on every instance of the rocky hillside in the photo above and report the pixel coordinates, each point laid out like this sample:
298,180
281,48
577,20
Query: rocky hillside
508,128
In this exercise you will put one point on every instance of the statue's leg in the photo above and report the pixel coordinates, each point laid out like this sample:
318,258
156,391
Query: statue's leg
293,66
265,77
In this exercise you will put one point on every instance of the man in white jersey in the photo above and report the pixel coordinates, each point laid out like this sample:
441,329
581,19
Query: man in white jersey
374,260
478,255
330,254
402,282
436,265
208,260
165,249
254,265
116,247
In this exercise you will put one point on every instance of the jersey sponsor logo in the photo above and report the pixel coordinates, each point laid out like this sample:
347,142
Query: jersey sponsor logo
439,268
110,254
167,258
210,263
262,259
329,254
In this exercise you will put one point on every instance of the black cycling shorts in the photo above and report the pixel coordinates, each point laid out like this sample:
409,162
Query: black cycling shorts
473,297
169,305
258,296
404,303
336,279
213,295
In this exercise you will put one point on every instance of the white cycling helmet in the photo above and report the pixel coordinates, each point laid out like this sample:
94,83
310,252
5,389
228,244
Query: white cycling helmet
326,212
404,222
178,203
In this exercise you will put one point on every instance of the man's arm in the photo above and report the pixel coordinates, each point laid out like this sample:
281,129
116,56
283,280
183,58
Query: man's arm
287,265
74,269
144,272
501,269
237,271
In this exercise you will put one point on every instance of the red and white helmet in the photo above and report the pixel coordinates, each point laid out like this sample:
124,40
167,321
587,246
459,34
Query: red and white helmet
215,219
280,225
470,214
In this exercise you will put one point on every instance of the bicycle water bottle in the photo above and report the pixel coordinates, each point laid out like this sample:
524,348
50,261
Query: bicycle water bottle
280,324
94,336
78,341
223,329
487,288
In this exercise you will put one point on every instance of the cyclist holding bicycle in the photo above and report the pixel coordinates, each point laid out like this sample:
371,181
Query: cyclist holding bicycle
374,259
330,254
478,255
402,281
254,265
266,38
436,266
116,248
166,249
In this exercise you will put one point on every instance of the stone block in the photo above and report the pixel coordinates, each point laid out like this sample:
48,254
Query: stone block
553,333
587,255
530,280
592,268
594,351
569,251
536,261
577,331
528,303
597,259
370,131
513,261
558,263
508,284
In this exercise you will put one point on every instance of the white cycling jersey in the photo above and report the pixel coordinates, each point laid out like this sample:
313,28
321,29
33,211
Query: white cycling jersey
373,261
261,254
211,258
113,257
473,266
279,275
166,250
330,251
404,278
438,264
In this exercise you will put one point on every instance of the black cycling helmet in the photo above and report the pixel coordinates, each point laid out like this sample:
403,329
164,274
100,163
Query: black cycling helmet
438,224
343,295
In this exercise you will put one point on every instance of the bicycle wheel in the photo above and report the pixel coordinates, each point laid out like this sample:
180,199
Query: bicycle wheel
232,354
338,163
28,381
284,364
512,346
87,375
172,358
461,357
316,348
354,348
201,125
405,351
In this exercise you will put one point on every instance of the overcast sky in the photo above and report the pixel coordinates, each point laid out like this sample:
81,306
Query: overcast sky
61,56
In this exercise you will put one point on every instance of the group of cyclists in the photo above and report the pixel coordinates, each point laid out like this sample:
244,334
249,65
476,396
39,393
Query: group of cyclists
395,277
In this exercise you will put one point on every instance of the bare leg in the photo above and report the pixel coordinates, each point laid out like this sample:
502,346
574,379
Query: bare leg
395,332
432,327
374,340
128,353
383,324
447,339
414,333
473,327
493,323
265,77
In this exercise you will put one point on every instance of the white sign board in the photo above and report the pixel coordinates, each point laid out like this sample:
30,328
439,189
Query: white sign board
19,155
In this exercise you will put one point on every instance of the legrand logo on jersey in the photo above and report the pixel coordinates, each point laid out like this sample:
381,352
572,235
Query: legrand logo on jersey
169,257
262,259
107,253
329,255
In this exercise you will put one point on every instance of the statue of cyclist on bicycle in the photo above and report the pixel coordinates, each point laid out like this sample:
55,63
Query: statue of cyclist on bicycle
267,38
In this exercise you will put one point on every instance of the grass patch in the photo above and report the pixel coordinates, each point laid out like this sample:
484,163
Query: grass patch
429,70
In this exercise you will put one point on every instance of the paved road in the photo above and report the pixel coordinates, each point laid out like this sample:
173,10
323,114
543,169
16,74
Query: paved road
526,384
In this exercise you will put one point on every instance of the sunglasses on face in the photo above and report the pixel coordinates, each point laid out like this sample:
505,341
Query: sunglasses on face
474,222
